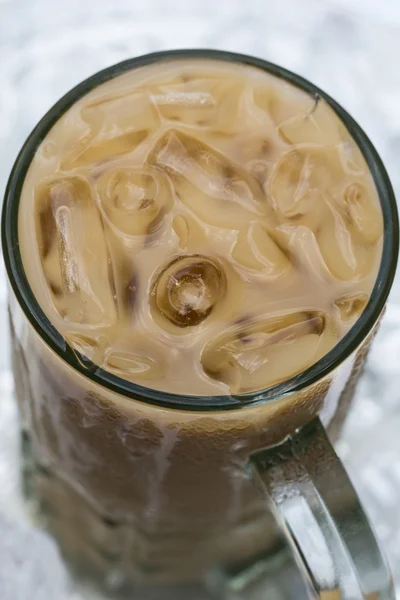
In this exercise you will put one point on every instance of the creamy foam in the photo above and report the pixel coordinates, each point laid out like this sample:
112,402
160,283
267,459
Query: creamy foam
200,228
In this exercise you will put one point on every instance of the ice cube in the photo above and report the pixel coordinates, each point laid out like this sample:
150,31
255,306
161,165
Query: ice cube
120,113
257,353
254,148
365,217
89,347
290,181
255,249
187,290
73,252
189,231
218,191
134,200
178,104
319,125
306,190
205,103
136,358
345,257
330,252
301,178
116,126
282,102
351,158
348,231
256,152
337,246
92,151
351,305
305,253
125,275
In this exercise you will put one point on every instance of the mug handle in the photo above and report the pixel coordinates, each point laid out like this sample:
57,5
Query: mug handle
317,508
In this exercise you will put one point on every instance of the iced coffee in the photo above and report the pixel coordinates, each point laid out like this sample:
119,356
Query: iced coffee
200,228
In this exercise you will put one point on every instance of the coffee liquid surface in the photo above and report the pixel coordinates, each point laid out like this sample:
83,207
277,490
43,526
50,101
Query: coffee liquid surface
200,227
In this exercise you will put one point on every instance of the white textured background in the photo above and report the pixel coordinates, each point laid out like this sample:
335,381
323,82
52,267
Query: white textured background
350,48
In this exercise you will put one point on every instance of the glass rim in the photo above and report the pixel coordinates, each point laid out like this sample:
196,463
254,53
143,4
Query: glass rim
42,325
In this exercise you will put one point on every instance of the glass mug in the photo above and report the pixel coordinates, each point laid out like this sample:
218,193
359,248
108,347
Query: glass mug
143,486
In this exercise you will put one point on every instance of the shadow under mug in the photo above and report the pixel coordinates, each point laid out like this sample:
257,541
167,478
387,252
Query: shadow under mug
165,487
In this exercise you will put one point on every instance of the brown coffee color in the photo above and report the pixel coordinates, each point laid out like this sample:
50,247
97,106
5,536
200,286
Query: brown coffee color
200,228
